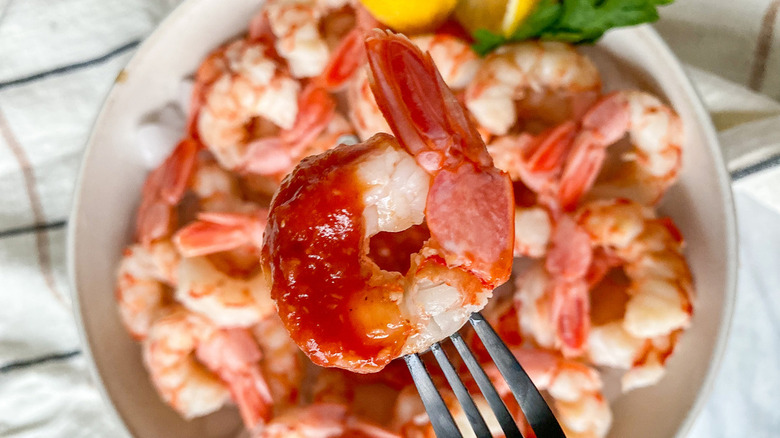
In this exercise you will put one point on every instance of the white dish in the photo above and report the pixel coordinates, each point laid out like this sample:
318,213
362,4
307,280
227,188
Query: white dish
114,169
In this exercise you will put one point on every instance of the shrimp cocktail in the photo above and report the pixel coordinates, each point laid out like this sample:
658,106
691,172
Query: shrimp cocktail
345,194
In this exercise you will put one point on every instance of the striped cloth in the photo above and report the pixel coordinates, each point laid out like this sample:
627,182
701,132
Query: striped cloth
58,60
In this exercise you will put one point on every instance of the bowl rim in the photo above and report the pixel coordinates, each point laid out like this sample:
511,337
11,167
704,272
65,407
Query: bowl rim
643,31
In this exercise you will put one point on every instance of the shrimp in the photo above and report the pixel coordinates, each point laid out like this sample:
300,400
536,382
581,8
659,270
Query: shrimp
255,112
319,260
220,275
552,296
197,367
643,302
646,171
514,73
350,53
456,61
296,25
218,190
535,164
277,156
164,188
144,281
576,389
322,420
282,363
411,419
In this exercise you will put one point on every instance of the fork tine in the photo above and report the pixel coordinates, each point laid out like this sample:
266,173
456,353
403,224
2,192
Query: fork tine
505,419
440,416
462,394
536,411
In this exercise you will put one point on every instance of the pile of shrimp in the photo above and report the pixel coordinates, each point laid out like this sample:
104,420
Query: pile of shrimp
600,279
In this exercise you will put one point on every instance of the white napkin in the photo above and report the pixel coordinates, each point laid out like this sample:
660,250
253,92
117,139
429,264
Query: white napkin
57,62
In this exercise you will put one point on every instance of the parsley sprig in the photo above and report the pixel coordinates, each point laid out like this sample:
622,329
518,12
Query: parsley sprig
573,21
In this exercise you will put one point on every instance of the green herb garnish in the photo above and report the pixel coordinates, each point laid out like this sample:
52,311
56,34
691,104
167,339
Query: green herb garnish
573,21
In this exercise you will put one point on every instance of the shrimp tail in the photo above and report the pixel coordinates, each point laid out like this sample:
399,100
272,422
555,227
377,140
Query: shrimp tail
602,125
569,259
234,356
432,126
162,190
216,232
571,314
421,110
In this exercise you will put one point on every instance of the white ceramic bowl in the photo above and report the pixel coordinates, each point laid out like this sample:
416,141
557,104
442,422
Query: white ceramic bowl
113,171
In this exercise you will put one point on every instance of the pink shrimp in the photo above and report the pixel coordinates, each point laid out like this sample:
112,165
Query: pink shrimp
381,185
350,55
552,297
528,71
576,389
276,155
220,276
643,297
144,281
178,348
646,172
322,420
164,188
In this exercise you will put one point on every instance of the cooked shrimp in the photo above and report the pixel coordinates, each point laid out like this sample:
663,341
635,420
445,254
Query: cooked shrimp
164,188
251,98
456,61
342,198
144,281
642,305
349,55
411,419
218,190
277,156
181,349
534,163
575,388
282,362
296,25
552,296
513,73
322,420
220,275
646,171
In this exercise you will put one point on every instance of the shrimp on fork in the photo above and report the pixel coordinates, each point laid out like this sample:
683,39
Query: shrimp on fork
389,185
456,61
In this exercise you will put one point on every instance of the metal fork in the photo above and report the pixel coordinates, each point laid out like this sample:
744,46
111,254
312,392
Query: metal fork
535,409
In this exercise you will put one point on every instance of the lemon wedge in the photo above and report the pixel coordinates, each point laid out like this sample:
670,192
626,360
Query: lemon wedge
410,16
498,16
